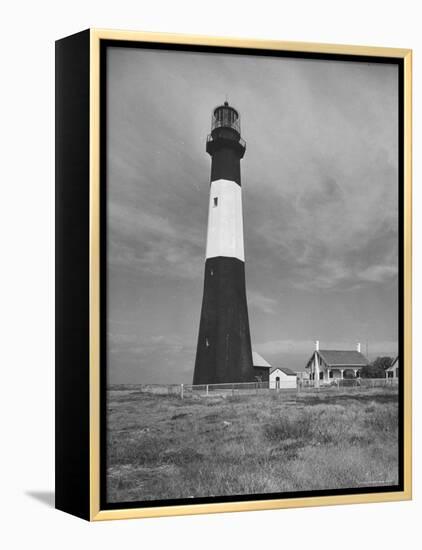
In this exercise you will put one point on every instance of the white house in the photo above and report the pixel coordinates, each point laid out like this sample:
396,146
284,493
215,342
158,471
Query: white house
282,378
393,369
324,365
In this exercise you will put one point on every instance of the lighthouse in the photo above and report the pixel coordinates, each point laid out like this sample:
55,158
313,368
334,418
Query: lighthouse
224,352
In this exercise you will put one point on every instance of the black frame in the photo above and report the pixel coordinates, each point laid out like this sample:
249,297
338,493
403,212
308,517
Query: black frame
72,206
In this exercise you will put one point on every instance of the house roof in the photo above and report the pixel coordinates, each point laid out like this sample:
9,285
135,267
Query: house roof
341,358
259,361
393,363
287,371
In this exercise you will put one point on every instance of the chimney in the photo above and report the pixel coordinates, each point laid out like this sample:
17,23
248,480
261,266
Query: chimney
358,347
316,345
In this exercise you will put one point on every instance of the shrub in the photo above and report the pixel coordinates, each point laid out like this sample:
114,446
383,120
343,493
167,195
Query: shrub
372,371
348,382
283,427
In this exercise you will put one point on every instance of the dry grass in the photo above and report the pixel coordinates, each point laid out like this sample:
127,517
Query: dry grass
160,447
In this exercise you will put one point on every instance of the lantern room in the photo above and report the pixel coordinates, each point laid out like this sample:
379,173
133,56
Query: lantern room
225,131
225,116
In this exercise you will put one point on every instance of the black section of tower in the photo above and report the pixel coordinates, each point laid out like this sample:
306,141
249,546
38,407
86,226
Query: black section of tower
224,352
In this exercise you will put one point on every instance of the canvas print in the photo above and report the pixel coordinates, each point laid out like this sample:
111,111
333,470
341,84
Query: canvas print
252,258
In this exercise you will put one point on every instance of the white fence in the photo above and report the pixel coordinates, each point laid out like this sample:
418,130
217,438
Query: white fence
206,390
256,388
338,383
251,388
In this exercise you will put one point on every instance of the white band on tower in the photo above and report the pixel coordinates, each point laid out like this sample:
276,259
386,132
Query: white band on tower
225,221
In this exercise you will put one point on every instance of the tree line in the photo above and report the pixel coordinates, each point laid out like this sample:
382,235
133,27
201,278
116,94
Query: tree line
377,368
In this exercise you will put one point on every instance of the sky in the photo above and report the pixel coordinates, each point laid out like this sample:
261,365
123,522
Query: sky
320,205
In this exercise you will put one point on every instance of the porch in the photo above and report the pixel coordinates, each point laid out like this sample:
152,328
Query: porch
329,374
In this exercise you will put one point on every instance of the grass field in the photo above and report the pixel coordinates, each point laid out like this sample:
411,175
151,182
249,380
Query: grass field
162,447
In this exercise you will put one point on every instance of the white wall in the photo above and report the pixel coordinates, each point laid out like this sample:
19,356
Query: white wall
285,380
27,199
225,221
393,369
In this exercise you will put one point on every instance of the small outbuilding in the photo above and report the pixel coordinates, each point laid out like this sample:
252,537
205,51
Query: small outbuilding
393,370
261,367
282,378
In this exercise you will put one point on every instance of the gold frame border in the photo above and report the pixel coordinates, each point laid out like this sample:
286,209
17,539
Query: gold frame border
96,514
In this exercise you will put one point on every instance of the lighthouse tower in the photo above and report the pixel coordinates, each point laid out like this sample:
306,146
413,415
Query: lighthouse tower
224,352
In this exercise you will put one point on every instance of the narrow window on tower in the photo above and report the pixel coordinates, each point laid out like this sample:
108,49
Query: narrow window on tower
215,201
207,343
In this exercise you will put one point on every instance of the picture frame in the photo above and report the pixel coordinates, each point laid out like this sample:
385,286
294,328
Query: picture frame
81,273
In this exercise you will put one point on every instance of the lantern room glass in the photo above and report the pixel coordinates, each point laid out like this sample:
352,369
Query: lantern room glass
225,116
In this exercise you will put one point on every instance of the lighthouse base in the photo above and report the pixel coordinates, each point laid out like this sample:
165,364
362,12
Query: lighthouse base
224,353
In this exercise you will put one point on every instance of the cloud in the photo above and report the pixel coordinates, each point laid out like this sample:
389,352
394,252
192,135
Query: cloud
306,347
276,347
378,273
149,242
262,303
133,343
327,237
158,359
